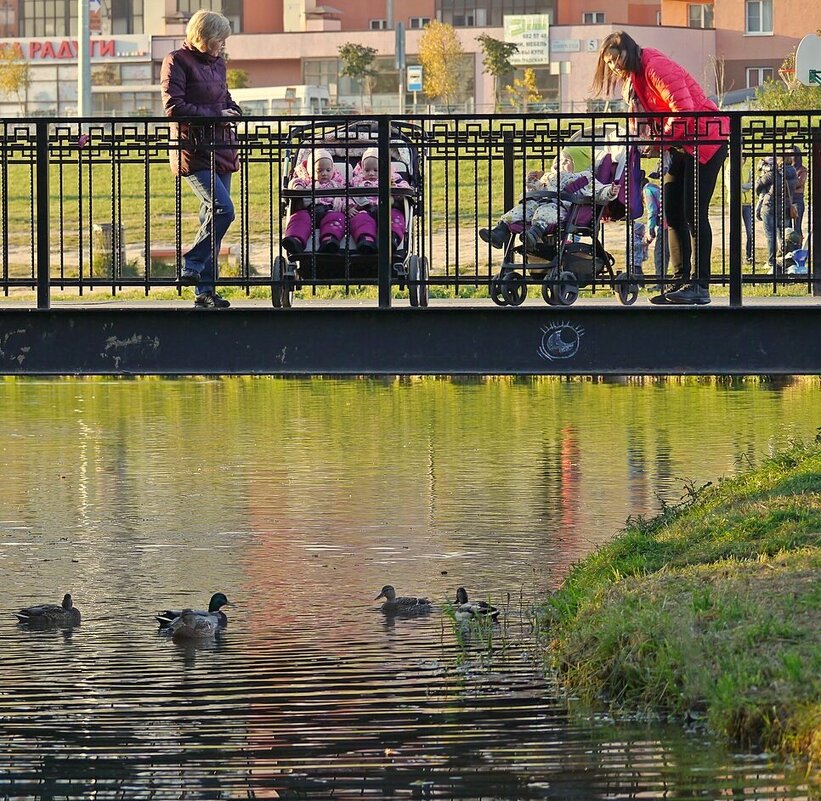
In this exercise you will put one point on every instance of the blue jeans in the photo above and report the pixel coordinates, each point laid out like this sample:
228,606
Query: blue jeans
747,217
768,218
798,202
200,257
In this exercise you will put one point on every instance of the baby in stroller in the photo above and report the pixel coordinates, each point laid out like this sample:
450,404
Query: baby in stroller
363,210
317,172
548,200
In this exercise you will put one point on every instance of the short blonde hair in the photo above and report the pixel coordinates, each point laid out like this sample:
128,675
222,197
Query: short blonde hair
205,27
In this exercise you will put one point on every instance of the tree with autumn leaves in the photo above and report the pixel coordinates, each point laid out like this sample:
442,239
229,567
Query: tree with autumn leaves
441,55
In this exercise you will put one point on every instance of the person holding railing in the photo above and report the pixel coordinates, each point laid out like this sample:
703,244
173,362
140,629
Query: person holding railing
193,82
655,84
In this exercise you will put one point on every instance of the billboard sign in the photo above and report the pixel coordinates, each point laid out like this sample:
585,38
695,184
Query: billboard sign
531,32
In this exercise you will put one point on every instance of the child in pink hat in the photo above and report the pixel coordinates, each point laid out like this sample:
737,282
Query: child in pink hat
326,213
363,211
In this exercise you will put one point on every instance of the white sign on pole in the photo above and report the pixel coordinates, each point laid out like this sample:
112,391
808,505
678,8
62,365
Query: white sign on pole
531,32
414,78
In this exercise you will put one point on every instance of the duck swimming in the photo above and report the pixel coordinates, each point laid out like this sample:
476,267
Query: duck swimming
402,604
473,609
218,600
191,625
50,614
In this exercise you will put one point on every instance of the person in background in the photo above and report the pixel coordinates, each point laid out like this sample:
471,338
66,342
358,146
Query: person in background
640,248
774,187
193,83
798,192
660,87
747,206
656,231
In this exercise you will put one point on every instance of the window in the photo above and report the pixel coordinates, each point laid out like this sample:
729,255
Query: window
378,24
126,16
418,22
700,15
759,16
593,18
475,18
756,76
48,18
490,13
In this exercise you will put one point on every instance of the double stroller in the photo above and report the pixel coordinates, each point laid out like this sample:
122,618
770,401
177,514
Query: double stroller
571,253
313,264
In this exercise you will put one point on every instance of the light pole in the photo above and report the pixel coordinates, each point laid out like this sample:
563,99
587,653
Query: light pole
83,60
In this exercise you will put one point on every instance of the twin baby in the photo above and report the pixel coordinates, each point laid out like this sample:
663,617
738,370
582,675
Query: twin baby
329,213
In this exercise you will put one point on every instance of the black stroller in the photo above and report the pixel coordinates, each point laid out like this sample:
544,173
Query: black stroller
572,255
346,141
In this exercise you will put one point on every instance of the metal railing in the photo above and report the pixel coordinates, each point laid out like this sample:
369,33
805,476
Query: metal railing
91,205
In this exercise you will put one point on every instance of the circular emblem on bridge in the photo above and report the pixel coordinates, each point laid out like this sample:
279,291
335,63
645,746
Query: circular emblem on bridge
560,341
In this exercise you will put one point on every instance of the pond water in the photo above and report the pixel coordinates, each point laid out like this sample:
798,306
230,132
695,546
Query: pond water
299,499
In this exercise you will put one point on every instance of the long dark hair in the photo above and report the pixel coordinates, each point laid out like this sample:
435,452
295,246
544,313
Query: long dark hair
624,51
796,157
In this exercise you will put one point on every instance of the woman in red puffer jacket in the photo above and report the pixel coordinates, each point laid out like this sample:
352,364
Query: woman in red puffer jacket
193,82
653,83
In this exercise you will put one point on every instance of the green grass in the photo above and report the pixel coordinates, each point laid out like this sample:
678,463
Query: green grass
711,610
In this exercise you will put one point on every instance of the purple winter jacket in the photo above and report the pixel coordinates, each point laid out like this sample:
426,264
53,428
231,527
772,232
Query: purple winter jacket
194,85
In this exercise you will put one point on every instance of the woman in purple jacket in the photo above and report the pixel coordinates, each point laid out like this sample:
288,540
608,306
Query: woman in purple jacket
193,81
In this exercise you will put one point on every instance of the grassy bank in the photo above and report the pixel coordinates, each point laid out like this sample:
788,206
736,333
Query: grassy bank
712,610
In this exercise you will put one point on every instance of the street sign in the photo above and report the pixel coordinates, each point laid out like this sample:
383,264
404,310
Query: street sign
414,78
531,33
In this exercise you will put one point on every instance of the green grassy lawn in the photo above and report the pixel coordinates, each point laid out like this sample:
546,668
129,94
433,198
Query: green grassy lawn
711,611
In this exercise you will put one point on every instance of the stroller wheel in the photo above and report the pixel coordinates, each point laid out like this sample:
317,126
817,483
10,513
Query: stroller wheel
567,288
496,293
514,288
417,278
282,285
626,290
549,288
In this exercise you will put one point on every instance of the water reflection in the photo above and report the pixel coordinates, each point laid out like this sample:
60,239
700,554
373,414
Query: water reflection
300,498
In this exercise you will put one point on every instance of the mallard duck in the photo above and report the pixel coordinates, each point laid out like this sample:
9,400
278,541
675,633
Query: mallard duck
191,625
218,600
50,614
473,609
402,604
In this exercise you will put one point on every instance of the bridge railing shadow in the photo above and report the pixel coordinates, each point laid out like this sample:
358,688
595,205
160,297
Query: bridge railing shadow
90,206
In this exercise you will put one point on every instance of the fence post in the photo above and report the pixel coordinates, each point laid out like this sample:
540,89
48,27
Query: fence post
735,209
42,217
384,257
507,155
813,218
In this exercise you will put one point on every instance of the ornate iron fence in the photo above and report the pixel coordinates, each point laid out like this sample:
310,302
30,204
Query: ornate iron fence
91,205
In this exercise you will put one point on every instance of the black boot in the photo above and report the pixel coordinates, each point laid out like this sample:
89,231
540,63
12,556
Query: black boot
497,237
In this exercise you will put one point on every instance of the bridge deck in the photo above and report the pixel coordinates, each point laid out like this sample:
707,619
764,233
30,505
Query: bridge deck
355,337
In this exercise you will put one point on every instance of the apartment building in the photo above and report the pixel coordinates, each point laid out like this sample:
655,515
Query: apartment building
752,36
295,42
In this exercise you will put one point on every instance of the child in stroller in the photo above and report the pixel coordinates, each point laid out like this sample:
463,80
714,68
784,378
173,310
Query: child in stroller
316,173
352,188
548,200
363,210
556,251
